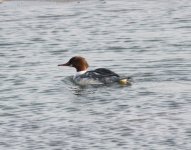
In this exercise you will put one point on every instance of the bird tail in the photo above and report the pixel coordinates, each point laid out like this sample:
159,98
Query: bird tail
125,81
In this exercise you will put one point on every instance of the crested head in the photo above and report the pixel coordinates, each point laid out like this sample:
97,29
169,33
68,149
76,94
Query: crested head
77,62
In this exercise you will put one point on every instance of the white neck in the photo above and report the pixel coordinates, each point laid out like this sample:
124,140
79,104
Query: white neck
81,72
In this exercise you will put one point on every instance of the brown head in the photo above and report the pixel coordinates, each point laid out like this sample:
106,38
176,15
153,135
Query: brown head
77,62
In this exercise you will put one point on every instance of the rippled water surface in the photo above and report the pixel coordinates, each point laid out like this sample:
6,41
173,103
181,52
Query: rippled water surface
40,108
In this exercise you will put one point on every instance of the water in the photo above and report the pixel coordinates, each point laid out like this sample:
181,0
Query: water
40,108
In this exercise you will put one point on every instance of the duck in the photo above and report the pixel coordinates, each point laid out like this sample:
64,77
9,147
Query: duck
98,76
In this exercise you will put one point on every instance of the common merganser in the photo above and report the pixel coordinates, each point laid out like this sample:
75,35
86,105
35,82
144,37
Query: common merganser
97,76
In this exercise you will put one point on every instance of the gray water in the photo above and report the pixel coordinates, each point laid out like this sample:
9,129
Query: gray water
40,108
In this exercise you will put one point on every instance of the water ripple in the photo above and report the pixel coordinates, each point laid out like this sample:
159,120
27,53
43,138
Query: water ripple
41,107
